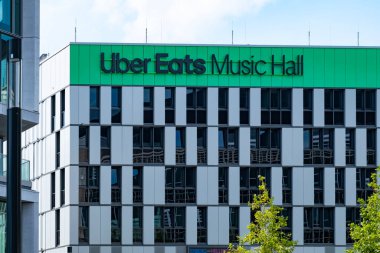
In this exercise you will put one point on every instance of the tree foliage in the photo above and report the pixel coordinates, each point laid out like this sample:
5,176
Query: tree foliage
265,231
366,234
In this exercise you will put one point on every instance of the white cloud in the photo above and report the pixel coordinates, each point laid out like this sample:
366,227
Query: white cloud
173,21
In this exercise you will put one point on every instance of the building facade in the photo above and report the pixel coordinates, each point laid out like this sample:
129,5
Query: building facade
19,28
158,148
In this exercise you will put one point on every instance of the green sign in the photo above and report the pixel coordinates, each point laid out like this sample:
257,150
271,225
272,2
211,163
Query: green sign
224,66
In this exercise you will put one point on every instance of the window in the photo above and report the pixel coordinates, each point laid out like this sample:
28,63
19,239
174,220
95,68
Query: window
52,112
352,216
180,154
223,106
94,104
223,185
169,224
318,225
318,146
201,224
228,145
180,185
116,105
89,184
265,146
318,185
287,185
137,224
371,146
83,144
105,145
137,184
169,105
57,149
62,177
366,107
287,214
148,105
363,178
52,185
234,224
276,106
350,146
148,145
244,106
83,224
116,184
334,106
62,93
196,105
202,145
115,224
308,106
249,182
339,185
57,227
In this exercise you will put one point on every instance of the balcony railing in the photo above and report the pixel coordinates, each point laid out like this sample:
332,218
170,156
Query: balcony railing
266,156
25,168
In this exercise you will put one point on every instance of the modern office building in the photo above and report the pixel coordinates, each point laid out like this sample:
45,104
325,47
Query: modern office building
158,148
19,26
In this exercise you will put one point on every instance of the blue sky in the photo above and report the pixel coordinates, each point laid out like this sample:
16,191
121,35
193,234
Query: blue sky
256,22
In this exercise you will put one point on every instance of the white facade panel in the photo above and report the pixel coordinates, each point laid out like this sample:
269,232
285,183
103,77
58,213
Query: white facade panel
297,186
350,187
202,185
72,105
94,145
94,222
255,107
127,105
105,225
159,106
319,108
105,105
350,108
159,185
213,225
138,106
212,146
117,141
297,107
292,147
127,185
148,225
105,185
308,186
298,225
180,106
329,186
170,145
72,185
127,144
191,146
191,225
276,185
74,145
361,147
84,105
340,147
340,226
148,185
234,186
244,220
212,106
212,186
244,146
233,106
224,226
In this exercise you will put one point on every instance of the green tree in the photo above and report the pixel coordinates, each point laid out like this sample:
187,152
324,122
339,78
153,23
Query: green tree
265,231
366,234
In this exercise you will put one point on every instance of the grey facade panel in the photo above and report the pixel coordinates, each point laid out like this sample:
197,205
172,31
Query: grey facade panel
350,108
297,107
319,108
